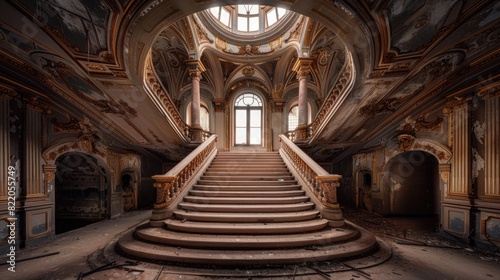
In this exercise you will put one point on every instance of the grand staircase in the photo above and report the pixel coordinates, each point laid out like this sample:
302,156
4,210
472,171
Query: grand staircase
246,209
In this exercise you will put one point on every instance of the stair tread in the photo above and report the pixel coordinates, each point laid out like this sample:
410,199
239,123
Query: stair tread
246,228
246,207
246,200
246,193
258,256
324,236
247,216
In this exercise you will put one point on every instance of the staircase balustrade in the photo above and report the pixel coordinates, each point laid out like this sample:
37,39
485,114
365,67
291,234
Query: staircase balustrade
321,185
155,90
325,112
171,185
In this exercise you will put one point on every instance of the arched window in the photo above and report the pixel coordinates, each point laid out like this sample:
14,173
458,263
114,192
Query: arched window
248,120
293,118
204,116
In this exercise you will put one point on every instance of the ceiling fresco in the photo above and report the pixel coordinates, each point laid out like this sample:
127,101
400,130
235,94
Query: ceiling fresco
122,63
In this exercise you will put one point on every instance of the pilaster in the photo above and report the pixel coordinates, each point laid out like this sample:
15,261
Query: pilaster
491,142
32,165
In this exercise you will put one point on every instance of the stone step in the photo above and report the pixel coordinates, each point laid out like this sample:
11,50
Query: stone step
247,208
246,217
237,169
238,177
248,161
246,200
246,193
271,188
231,241
246,228
276,174
364,243
245,183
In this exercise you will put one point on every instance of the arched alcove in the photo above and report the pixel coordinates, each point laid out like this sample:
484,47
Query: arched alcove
413,182
81,185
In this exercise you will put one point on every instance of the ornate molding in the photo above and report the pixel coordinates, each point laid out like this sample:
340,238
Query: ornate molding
490,91
35,104
219,104
458,102
7,92
405,142
411,126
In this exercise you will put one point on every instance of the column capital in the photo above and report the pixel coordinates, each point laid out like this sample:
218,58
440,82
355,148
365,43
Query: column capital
195,67
302,66
458,102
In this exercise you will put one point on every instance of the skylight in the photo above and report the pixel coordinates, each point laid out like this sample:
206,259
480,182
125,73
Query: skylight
248,18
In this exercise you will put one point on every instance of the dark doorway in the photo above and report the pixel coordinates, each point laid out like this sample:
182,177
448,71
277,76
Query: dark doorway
414,184
80,191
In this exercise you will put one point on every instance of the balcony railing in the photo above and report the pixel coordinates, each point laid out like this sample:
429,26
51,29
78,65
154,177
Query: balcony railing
159,96
171,186
332,101
319,184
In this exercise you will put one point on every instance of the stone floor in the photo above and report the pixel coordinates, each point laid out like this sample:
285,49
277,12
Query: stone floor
412,250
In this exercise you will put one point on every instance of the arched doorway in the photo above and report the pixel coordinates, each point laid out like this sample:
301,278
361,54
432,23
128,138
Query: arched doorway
81,185
364,183
129,191
414,184
248,120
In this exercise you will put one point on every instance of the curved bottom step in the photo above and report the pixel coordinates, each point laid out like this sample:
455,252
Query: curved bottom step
173,238
225,257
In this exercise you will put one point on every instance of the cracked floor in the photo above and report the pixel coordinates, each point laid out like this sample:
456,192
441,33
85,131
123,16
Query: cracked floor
413,250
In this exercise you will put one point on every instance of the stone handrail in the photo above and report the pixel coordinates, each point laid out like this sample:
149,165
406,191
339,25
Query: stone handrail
320,185
171,186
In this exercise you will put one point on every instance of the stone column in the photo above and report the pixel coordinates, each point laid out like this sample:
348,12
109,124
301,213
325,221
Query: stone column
491,143
32,164
302,67
195,69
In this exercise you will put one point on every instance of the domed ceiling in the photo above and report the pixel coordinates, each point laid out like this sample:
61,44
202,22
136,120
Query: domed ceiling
376,64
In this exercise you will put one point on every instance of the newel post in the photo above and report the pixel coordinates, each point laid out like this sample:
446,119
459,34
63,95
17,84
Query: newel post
164,192
328,185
